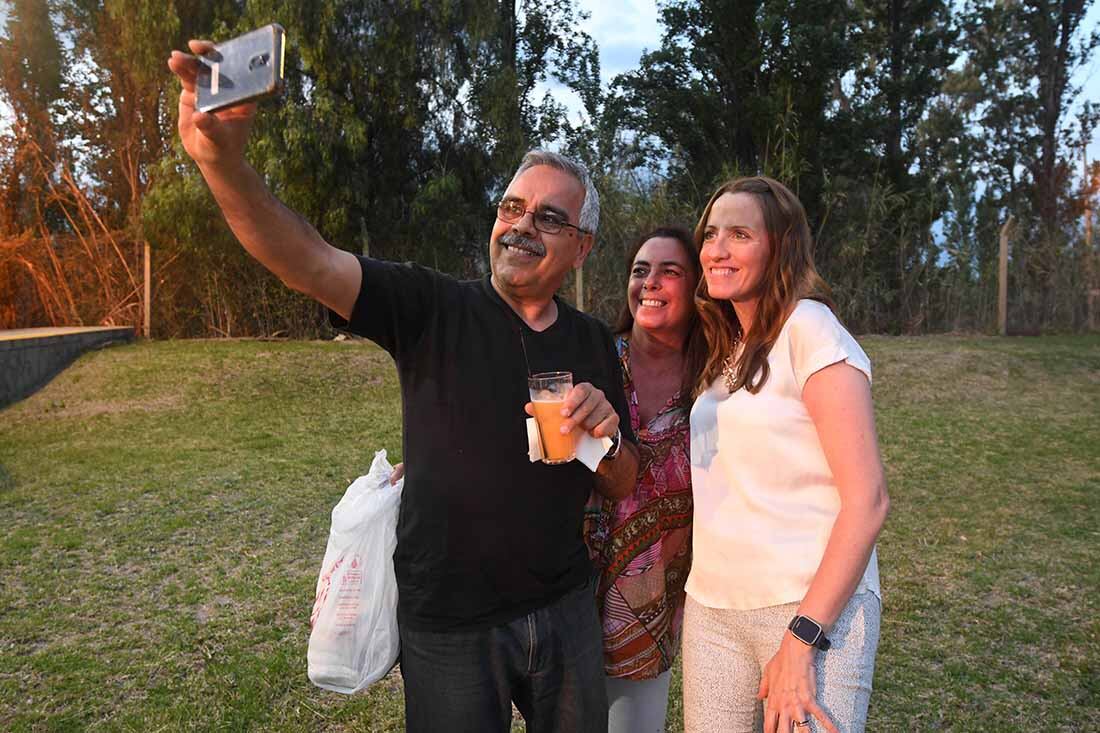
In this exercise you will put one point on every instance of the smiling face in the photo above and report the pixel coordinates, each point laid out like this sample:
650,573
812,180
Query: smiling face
735,249
659,291
528,264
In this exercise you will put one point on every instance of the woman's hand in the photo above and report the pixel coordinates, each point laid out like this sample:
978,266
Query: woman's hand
789,685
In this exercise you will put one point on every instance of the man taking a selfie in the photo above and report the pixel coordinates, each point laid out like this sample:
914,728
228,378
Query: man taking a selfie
495,598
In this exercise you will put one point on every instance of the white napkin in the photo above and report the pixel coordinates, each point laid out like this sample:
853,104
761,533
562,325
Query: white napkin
590,451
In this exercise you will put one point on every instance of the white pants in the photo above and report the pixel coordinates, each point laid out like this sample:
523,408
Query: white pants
725,651
637,706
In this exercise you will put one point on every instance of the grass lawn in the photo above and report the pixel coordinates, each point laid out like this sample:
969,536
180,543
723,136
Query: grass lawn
165,509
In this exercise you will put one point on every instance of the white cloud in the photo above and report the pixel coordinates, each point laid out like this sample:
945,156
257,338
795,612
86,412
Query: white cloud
622,30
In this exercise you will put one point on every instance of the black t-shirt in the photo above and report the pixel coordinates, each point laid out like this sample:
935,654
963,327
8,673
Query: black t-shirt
484,535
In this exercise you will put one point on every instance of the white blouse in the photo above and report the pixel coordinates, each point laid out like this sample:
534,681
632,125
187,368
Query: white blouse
765,498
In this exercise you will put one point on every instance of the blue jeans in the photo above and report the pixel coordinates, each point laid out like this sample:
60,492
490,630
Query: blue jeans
549,662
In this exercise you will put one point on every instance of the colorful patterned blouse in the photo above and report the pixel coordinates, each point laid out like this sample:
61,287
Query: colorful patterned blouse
641,545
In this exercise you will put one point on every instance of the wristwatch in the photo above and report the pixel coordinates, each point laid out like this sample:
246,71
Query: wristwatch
809,632
616,445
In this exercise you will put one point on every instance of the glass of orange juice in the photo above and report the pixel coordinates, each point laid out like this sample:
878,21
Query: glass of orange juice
548,391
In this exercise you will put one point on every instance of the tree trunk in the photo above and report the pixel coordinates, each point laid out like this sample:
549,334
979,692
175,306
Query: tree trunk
1002,278
508,33
894,163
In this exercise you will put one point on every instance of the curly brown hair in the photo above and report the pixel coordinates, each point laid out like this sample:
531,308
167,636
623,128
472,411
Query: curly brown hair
694,349
789,276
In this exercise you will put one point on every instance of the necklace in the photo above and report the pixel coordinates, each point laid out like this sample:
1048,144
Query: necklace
728,372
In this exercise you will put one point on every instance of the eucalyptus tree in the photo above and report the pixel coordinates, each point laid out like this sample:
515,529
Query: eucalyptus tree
741,87
830,98
32,64
886,188
1021,61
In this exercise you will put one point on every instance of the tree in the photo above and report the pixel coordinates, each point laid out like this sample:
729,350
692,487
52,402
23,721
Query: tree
880,135
828,98
741,87
31,63
1023,56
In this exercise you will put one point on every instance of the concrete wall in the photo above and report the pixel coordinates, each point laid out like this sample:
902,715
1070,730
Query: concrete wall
31,357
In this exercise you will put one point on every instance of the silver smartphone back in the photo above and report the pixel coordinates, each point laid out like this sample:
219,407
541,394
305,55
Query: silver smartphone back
244,69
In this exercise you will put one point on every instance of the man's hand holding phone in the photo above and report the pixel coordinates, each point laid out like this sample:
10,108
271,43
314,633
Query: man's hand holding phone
226,81
211,138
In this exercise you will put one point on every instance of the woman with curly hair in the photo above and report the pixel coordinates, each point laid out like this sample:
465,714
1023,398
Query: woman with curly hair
641,545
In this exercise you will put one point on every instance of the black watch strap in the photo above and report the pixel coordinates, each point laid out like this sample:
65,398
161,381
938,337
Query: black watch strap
809,632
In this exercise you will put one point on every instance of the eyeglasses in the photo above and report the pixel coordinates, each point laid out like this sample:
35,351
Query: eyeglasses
546,221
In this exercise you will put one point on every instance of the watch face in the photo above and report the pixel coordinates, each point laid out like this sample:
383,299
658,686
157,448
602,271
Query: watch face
805,629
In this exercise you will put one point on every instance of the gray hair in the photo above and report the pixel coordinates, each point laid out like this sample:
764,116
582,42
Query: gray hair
589,218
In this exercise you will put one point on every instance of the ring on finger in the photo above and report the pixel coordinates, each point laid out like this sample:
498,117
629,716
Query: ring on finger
802,723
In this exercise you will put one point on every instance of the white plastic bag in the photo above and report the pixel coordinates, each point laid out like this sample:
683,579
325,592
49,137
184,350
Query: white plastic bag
354,641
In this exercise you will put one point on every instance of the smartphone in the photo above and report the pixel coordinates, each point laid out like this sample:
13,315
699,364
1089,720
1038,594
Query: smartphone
244,69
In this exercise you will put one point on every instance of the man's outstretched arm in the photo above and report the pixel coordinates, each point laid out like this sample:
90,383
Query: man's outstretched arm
279,238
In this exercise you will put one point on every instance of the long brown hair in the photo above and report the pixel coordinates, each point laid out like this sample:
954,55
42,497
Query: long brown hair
695,347
789,276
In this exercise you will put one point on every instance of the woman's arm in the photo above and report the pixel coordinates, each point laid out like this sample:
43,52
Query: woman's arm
838,399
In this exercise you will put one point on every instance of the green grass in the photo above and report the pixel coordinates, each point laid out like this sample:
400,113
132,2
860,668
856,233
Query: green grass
165,508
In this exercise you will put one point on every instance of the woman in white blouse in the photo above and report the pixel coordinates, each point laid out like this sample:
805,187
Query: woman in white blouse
783,608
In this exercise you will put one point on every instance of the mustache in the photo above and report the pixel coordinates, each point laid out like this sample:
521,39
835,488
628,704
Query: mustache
514,239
